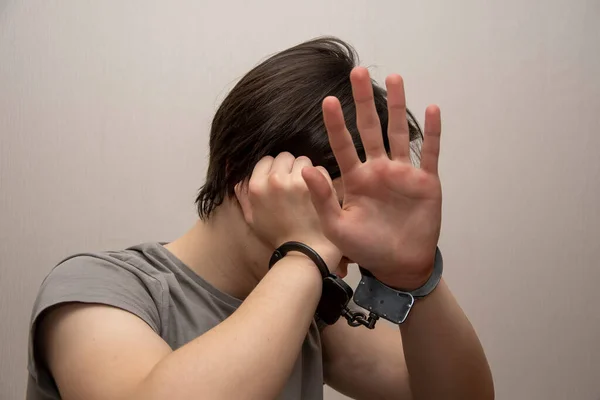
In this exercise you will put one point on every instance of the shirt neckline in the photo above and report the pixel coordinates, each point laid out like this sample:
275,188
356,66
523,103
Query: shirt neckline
224,297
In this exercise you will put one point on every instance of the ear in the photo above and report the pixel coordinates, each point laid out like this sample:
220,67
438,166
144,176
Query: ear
241,194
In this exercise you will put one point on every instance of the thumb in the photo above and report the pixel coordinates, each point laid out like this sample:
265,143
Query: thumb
322,195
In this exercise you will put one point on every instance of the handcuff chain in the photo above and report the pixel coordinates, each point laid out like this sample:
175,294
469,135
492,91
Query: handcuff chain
356,318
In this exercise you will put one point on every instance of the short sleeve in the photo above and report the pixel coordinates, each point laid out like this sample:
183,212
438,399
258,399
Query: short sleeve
88,279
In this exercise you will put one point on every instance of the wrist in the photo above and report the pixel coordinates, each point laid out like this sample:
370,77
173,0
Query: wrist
410,278
330,254
406,281
297,274
297,263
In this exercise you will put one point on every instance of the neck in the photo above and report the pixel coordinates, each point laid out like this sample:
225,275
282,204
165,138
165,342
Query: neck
224,252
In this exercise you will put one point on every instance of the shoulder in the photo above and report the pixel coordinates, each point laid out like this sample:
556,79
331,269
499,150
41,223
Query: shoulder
128,269
126,280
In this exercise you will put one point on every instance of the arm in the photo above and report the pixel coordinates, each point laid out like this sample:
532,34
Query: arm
389,222
104,353
437,357
441,346
100,352
365,364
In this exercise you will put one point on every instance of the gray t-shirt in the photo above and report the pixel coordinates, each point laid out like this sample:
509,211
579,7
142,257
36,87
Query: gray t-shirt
150,282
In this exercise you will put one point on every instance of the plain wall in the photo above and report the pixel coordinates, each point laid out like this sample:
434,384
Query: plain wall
105,109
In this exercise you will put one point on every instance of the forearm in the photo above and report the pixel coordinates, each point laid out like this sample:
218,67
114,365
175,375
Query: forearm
251,354
444,357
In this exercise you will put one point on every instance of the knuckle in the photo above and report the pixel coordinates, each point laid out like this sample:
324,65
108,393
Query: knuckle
286,155
276,181
266,159
254,188
304,160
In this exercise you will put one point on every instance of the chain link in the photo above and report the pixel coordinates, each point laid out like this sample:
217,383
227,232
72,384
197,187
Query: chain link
356,318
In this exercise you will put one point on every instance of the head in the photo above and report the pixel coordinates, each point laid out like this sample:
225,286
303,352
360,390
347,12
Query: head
276,107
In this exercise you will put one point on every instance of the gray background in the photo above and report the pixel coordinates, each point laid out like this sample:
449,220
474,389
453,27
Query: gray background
104,116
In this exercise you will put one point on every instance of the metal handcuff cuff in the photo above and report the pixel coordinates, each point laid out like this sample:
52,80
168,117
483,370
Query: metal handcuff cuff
380,300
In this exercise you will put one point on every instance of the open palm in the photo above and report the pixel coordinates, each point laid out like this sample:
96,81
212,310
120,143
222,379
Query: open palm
390,219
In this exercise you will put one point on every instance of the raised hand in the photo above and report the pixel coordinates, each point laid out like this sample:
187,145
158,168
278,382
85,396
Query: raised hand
390,219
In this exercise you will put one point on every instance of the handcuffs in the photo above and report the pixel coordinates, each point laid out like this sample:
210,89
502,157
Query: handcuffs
375,297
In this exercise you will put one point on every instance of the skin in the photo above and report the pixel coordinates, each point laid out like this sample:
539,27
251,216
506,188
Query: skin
388,221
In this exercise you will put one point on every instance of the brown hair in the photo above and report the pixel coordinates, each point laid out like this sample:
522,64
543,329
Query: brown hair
276,107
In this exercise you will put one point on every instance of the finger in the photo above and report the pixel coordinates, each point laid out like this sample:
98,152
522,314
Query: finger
299,164
328,177
263,167
367,119
325,174
259,176
283,163
431,141
398,133
323,197
339,137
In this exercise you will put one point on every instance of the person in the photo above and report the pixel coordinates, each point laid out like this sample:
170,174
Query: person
307,148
